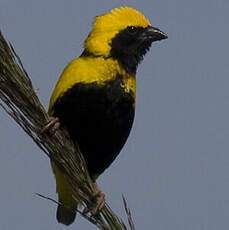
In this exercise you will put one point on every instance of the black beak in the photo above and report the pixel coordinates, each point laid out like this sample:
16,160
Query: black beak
153,34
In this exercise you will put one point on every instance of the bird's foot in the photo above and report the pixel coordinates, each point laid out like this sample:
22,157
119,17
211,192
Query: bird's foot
98,200
52,126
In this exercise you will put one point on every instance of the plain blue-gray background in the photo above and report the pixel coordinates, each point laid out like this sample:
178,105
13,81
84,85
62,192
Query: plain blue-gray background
174,169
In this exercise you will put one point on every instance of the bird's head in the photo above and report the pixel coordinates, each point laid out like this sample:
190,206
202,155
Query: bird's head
124,34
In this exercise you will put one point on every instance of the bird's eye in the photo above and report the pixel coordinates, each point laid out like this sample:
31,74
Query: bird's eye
132,29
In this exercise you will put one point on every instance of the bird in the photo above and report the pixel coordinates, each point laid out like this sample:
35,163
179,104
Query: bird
94,98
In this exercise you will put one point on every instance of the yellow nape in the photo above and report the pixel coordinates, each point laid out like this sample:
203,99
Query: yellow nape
106,26
91,70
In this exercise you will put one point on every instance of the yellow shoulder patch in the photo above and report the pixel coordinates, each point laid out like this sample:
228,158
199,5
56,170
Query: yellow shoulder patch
88,70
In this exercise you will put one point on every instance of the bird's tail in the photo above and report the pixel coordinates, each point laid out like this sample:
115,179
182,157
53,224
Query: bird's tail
66,210
65,215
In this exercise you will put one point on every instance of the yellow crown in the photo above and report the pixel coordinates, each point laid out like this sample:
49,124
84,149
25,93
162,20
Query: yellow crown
106,26
120,18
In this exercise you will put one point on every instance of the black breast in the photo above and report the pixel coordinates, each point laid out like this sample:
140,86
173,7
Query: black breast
99,118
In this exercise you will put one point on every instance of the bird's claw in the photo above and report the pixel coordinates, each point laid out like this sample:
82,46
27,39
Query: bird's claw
98,201
52,125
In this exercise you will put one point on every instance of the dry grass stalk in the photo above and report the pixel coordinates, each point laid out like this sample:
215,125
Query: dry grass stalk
19,100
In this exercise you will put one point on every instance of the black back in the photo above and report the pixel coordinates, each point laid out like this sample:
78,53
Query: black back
99,118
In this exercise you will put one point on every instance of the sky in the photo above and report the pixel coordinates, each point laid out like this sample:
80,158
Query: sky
174,168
